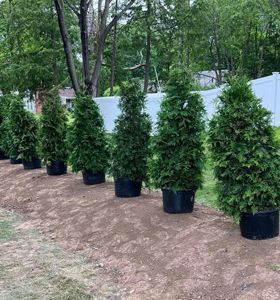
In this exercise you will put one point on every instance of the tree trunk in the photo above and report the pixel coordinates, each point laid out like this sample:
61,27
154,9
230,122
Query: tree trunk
148,49
97,67
67,45
83,19
101,33
114,57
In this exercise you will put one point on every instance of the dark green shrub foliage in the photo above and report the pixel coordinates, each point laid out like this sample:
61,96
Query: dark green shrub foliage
4,123
28,147
23,129
53,130
86,137
277,135
244,152
178,149
15,126
131,135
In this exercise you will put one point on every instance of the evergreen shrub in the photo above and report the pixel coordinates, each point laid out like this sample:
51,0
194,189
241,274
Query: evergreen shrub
244,150
88,147
131,135
178,152
53,129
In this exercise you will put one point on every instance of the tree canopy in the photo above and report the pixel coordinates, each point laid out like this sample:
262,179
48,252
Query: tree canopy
95,45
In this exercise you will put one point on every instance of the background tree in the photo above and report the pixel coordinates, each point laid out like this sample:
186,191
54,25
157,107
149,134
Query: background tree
108,41
94,24
31,56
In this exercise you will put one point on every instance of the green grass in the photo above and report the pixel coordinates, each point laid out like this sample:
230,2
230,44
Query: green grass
208,194
275,268
7,230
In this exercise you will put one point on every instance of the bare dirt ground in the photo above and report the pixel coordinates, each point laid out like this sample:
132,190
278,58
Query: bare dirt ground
148,254
32,267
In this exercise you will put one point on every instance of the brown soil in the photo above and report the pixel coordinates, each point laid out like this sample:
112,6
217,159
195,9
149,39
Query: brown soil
32,267
147,253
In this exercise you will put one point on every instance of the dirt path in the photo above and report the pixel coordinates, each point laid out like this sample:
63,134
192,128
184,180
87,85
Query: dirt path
147,253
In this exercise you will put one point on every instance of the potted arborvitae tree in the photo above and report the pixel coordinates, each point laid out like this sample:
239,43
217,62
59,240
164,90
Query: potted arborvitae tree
131,142
52,132
4,112
178,154
88,148
15,128
28,146
247,162
23,135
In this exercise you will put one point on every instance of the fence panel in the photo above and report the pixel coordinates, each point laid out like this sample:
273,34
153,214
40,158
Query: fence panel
267,88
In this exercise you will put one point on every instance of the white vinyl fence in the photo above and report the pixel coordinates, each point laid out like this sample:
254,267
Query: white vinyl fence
266,88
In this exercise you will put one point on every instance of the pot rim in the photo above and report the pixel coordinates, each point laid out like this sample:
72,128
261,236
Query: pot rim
93,171
126,179
181,191
271,210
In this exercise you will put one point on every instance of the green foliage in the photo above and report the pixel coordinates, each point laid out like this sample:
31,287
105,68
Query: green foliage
131,135
88,149
277,135
116,91
31,54
4,120
178,150
22,131
28,147
53,130
15,125
207,194
22,127
244,152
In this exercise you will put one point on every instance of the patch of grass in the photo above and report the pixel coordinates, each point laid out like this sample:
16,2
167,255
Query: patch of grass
275,267
277,134
208,193
6,231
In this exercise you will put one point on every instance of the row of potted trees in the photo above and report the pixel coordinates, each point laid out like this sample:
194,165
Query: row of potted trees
81,139
241,140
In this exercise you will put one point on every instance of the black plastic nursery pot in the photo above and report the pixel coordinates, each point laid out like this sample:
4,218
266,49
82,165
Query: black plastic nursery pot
91,178
3,155
56,167
126,188
35,163
260,226
178,202
15,161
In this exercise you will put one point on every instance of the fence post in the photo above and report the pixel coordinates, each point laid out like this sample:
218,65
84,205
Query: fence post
276,76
